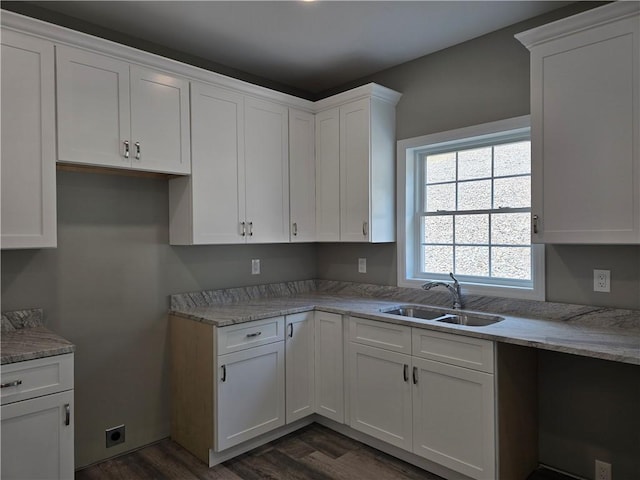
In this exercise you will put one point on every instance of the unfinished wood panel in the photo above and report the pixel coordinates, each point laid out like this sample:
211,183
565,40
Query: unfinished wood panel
192,385
517,411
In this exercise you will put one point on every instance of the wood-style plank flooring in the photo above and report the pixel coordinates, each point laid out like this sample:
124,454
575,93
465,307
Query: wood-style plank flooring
313,452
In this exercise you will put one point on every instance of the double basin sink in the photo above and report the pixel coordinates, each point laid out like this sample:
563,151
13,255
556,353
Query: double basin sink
444,316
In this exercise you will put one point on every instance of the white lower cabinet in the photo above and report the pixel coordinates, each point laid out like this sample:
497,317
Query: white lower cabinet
37,419
250,394
329,365
435,409
299,366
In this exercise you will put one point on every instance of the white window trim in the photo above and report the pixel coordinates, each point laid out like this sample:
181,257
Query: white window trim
406,188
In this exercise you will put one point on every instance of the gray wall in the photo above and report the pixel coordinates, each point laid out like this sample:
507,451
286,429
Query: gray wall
106,288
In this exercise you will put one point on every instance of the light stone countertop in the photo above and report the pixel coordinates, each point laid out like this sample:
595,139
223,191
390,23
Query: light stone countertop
578,331
25,338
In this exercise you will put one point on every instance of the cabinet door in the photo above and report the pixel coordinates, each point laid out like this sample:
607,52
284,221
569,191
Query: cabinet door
329,363
585,136
250,394
28,143
328,176
380,394
302,176
208,206
37,439
453,417
299,366
93,108
266,171
159,122
354,171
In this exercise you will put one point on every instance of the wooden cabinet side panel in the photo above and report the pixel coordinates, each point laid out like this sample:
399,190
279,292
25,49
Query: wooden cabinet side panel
192,385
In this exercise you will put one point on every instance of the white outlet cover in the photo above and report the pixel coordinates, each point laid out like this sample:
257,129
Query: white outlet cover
255,266
362,265
602,280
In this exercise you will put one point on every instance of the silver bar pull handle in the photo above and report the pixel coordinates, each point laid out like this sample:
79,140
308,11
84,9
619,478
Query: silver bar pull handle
251,229
291,330
15,383
415,375
224,373
125,154
405,372
365,228
535,224
138,150
67,414
252,335
295,229
243,230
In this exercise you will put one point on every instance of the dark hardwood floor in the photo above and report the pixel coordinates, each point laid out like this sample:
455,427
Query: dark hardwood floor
313,452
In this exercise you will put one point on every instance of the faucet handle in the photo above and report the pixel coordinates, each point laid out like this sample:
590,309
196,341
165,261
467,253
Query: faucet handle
455,280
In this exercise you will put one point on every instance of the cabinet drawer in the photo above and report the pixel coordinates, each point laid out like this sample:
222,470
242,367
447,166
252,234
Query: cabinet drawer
34,378
389,336
250,334
468,352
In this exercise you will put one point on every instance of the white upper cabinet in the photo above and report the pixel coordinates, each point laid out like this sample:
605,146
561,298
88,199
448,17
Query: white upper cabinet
28,142
355,145
585,130
113,114
302,185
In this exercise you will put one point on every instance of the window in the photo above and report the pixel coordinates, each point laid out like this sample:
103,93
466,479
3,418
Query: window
466,208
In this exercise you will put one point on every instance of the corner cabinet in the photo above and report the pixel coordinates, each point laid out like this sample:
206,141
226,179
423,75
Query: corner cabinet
238,191
28,142
358,169
117,115
585,127
302,175
37,419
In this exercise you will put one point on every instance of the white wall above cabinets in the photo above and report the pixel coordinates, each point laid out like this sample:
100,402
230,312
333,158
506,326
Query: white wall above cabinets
28,142
355,162
113,114
585,127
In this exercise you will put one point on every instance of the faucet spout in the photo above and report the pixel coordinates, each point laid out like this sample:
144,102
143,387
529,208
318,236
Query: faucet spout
454,290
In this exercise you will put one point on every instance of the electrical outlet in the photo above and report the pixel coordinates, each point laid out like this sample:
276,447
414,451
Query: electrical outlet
603,470
255,266
362,265
114,435
602,280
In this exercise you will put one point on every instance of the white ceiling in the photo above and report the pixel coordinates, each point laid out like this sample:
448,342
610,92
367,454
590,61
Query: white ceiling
311,46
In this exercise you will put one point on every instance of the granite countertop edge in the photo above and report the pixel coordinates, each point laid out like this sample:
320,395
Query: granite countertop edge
614,344
32,343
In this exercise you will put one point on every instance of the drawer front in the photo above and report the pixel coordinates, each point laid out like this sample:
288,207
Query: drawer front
389,336
34,378
459,350
251,334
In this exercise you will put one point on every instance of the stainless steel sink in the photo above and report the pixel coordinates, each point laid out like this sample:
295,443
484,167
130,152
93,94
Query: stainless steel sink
445,316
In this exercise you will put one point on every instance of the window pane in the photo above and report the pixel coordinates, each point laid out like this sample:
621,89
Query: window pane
474,163
511,262
512,159
438,229
441,168
441,197
472,229
512,192
438,259
474,195
511,228
472,261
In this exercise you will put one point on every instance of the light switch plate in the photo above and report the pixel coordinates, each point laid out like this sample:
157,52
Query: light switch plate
362,265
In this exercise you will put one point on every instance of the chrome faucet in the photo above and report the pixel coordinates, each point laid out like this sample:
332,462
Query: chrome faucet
454,290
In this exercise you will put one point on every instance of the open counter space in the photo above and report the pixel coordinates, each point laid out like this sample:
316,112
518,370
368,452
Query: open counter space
605,333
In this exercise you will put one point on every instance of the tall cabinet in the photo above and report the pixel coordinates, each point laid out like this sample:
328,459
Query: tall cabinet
360,171
585,127
28,142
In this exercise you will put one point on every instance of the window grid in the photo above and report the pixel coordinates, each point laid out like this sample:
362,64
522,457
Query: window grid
495,209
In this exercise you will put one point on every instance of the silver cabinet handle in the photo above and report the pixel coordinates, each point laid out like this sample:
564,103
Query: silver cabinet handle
67,414
291,330
244,229
535,224
15,383
125,154
415,375
365,228
252,335
295,229
224,373
405,373
138,150
251,229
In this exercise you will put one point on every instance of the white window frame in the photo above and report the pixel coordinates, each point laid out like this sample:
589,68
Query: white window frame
408,196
